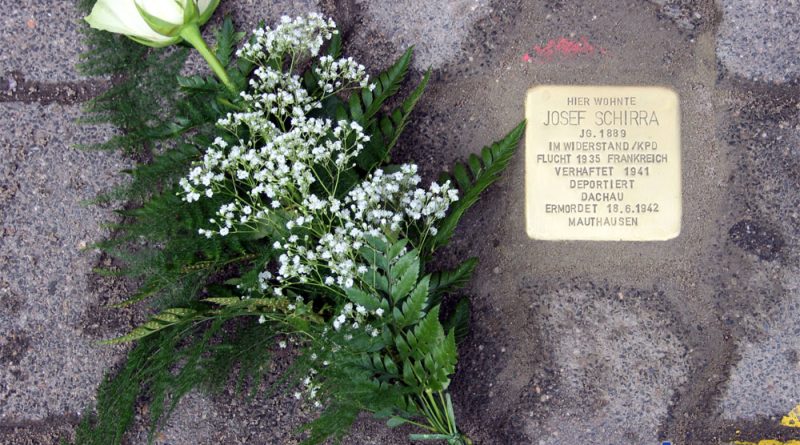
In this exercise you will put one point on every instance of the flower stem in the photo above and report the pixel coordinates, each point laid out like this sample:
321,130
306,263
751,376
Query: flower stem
191,33
440,417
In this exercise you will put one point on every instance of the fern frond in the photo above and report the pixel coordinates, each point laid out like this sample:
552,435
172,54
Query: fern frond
403,275
447,281
165,366
413,306
163,320
483,172
227,39
388,128
139,103
459,320
364,105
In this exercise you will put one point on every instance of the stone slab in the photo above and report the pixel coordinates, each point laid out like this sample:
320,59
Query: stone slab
437,30
687,311
41,40
756,40
51,360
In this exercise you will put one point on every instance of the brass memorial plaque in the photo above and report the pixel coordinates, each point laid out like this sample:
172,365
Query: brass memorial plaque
602,163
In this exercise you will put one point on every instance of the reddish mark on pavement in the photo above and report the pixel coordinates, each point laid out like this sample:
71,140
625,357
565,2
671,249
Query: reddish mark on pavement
556,49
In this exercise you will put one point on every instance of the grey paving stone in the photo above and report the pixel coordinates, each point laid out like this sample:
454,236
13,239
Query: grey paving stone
619,364
558,355
40,39
757,40
50,364
247,14
436,29
765,132
766,381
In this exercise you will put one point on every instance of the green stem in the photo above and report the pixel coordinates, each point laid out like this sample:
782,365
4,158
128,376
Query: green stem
191,33
440,417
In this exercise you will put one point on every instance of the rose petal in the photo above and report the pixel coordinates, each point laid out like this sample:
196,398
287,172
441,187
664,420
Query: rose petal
122,17
167,10
202,5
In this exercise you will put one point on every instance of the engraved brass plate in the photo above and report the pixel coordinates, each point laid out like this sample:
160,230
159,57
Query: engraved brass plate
602,163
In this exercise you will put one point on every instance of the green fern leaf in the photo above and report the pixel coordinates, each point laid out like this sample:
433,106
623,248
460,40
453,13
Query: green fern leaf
413,306
495,159
167,318
403,275
357,296
198,84
227,38
387,130
428,333
459,320
386,86
451,280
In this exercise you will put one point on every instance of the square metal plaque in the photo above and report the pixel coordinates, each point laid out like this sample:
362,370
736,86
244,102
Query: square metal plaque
602,163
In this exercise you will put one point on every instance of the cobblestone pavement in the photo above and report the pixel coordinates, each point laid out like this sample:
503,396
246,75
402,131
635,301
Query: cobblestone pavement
693,340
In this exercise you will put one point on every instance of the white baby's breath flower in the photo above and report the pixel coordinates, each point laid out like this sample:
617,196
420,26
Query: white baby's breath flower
271,171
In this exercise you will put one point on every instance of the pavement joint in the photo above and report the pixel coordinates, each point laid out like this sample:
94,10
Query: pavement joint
739,90
14,87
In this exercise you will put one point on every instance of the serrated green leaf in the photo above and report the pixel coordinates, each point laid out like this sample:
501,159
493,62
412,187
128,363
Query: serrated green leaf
390,365
366,97
408,373
495,160
414,305
411,339
227,37
396,249
167,318
462,178
356,112
357,296
459,320
388,84
224,301
402,346
335,46
403,275
385,132
428,333
447,281
395,421
475,165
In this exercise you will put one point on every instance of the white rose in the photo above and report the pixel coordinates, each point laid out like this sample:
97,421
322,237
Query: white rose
150,22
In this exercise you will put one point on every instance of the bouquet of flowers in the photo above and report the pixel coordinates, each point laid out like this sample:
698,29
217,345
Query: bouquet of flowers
272,214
